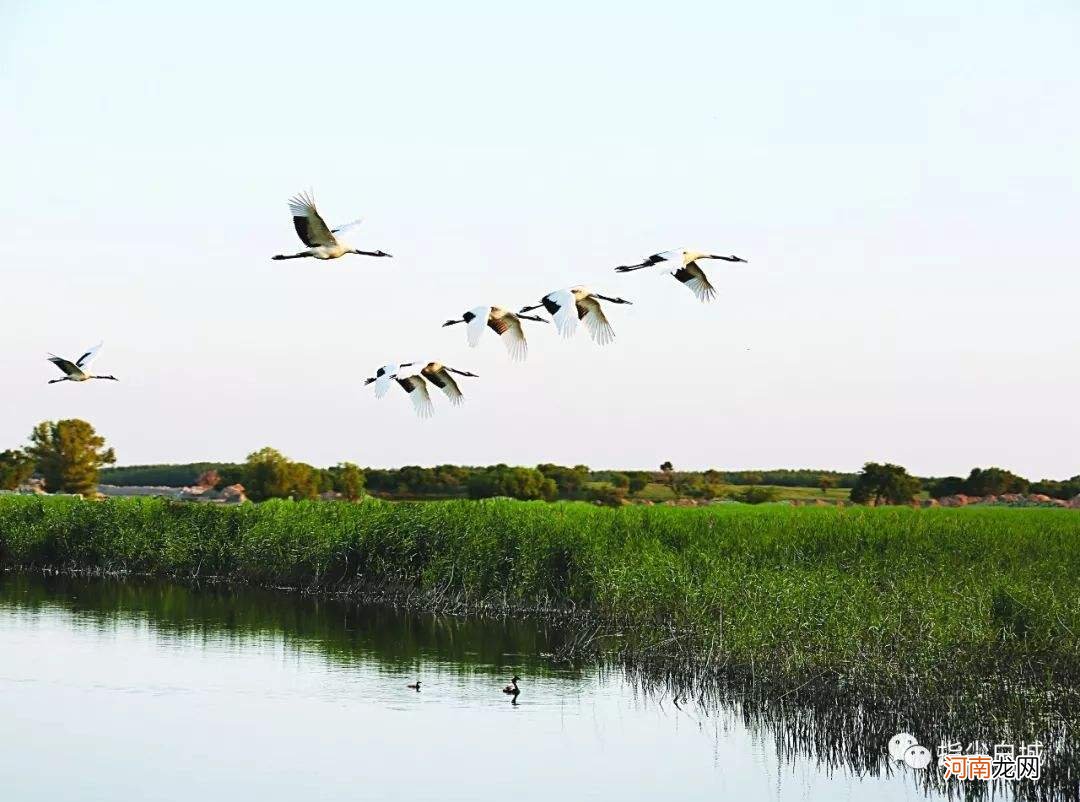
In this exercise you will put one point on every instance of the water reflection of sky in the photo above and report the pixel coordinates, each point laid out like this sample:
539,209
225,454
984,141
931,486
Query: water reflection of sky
100,705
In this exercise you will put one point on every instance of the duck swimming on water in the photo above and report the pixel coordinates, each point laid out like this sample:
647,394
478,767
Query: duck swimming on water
512,688
414,687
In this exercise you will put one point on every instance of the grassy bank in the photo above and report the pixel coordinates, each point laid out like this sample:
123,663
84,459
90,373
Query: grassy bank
854,589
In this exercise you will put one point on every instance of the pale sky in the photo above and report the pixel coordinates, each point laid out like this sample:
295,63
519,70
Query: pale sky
905,183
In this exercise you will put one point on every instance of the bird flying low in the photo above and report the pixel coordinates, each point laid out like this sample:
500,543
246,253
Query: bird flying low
506,324
683,265
439,375
384,375
322,241
568,306
79,370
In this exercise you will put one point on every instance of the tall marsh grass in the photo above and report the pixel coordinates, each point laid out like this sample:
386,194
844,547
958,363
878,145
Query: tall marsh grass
772,587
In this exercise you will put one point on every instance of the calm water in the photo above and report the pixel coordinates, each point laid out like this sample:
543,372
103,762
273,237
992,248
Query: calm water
135,690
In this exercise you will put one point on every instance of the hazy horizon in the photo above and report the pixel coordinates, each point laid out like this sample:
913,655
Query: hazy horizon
904,182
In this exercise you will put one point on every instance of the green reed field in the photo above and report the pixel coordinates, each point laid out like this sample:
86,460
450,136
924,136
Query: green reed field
768,587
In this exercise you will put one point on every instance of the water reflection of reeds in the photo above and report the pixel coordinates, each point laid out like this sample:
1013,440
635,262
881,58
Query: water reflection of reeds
839,719
392,638
844,722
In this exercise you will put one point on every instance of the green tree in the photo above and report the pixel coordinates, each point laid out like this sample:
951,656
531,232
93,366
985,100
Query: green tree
695,486
947,486
520,483
269,474
568,481
15,468
668,470
69,454
884,482
639,480
606,494
1063,489
323,479
348,480
756,495
994,482
170,475
826,483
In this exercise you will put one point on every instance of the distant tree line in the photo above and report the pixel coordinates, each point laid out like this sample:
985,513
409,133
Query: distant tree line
269,474
891,484
181,475
998,481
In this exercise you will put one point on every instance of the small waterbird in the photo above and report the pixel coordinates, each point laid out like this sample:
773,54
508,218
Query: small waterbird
78,371
320,239
683,265
439,375
513,689
568,306
414,686
384,375
506,324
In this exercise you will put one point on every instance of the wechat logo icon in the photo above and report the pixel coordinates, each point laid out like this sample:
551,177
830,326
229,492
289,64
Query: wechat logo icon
904,747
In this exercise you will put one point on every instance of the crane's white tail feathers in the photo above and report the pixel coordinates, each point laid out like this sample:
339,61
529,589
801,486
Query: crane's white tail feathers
566,316
596,322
